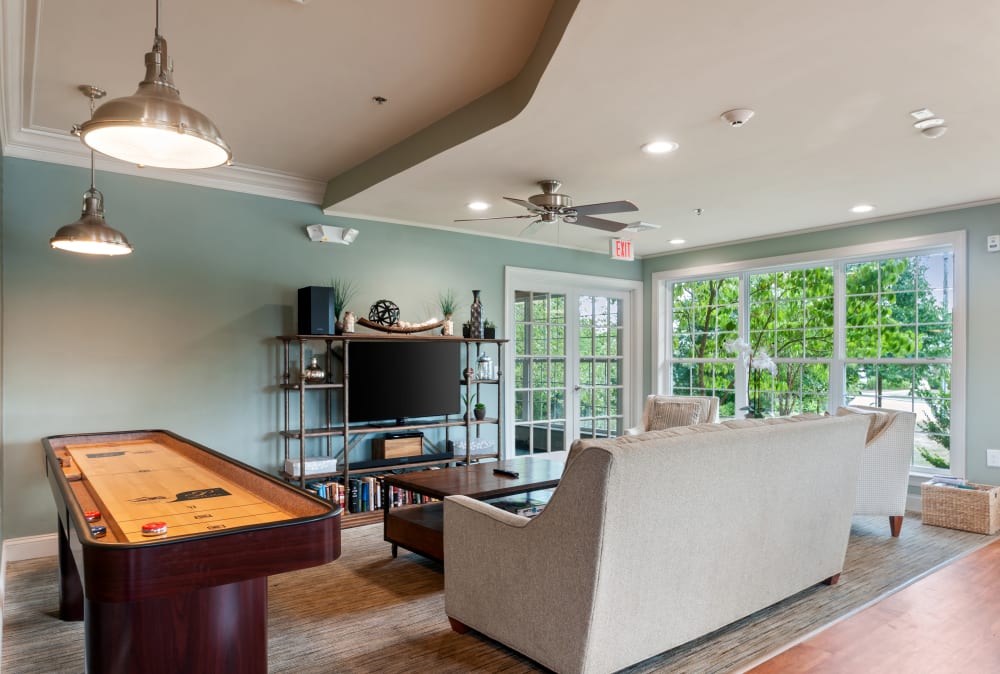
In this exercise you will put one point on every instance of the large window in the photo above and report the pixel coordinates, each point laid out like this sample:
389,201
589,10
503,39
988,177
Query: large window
871,327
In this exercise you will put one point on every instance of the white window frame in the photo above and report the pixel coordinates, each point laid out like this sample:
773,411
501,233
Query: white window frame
662,316
521,278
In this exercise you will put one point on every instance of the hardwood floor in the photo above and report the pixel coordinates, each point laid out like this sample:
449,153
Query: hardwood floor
946,622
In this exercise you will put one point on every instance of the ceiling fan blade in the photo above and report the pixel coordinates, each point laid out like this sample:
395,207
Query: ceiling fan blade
606,207
599,223
531,228
526,204
499,217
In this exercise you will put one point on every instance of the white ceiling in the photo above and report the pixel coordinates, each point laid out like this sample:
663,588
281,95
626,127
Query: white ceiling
489,96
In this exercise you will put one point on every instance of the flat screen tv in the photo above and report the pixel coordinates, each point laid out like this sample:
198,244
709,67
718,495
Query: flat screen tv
397,380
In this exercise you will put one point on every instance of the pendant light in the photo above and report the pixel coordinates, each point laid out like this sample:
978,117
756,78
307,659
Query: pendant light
152,127
91,235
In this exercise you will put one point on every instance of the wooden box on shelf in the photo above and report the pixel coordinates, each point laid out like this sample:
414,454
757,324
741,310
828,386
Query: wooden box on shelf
399,446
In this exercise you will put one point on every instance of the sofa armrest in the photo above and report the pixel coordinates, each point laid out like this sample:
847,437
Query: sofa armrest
516,579
487,512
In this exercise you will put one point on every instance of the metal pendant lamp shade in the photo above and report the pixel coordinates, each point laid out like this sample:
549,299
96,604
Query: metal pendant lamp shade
152,127
91,235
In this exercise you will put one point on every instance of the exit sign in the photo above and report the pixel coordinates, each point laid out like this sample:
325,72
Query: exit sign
621,249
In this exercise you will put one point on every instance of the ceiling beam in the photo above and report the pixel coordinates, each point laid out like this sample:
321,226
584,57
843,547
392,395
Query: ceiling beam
486,112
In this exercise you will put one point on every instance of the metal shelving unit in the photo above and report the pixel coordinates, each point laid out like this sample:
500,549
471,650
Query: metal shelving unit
343,437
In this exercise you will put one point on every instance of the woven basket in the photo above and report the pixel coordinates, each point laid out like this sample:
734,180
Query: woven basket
976,510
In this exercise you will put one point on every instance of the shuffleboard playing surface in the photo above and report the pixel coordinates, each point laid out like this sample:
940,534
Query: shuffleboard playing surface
142,481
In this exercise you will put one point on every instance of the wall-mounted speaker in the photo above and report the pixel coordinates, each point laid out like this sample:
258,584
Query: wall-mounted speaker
316,311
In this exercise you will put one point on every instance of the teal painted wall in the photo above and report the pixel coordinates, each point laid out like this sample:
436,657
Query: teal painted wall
983,279
179,335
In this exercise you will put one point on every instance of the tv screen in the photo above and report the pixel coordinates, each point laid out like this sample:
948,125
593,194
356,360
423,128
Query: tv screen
397,380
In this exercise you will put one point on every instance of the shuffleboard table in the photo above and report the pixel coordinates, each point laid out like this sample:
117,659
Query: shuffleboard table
165,547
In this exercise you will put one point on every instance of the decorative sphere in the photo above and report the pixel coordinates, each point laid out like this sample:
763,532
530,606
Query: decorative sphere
384,312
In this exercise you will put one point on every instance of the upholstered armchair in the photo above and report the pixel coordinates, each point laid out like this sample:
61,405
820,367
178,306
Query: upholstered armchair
885,464
667,411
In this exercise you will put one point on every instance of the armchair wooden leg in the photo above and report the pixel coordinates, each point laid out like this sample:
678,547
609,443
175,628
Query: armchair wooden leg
832,580
457,626
895,524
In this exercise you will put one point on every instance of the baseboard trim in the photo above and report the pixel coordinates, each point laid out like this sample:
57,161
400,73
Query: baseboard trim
29,547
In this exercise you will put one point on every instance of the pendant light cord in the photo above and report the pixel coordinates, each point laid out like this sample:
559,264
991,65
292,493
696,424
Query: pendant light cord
156,31
92,96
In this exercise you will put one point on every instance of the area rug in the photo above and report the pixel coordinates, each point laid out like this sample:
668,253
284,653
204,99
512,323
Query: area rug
368,612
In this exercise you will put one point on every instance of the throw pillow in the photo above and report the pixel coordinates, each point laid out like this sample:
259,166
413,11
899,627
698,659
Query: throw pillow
878,421
669,414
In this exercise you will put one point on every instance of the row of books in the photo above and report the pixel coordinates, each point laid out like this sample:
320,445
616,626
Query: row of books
363,494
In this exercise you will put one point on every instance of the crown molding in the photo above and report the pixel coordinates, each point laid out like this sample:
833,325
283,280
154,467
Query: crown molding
17,139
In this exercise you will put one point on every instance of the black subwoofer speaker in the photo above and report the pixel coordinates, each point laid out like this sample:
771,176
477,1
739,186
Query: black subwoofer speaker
316,311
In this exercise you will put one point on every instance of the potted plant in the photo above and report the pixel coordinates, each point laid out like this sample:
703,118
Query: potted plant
448,306
489,330
479,411
343,292
467,329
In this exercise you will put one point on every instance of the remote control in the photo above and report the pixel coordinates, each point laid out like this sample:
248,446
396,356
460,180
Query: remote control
508,473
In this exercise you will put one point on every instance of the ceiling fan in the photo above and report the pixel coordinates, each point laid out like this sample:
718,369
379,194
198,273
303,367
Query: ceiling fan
551,206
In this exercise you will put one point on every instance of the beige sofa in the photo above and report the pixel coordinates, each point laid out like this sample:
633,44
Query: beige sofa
653,540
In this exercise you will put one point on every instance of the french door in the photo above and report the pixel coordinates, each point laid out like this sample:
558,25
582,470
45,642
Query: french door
574,352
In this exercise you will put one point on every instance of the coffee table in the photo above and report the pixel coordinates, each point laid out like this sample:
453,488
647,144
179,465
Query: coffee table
421,528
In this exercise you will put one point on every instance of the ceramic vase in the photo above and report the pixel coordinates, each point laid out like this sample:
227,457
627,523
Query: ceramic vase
476,317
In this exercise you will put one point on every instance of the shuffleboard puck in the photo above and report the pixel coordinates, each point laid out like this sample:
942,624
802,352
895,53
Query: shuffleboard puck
98,531
154,528
91,515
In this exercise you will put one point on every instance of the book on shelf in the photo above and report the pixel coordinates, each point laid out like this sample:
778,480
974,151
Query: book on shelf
527,504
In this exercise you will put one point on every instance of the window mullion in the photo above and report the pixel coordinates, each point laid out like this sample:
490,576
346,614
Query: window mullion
838,374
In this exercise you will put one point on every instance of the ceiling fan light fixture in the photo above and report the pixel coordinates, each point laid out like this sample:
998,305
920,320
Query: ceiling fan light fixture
153,127
660,147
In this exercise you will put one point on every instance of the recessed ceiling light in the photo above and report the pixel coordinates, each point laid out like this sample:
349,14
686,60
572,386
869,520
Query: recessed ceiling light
478,205
862,208
660,147
921,114
677,242
927,123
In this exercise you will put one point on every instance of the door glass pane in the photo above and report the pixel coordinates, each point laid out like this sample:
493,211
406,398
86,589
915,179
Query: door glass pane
540,369
600,397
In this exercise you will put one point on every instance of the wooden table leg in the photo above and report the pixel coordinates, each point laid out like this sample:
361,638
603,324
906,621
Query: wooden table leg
70,587
214,629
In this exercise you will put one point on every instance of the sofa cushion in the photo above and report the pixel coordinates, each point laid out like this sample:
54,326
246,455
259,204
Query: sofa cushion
670,414
771,421
728,425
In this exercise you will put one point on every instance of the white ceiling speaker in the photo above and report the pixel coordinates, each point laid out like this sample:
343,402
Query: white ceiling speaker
331,234
738,117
